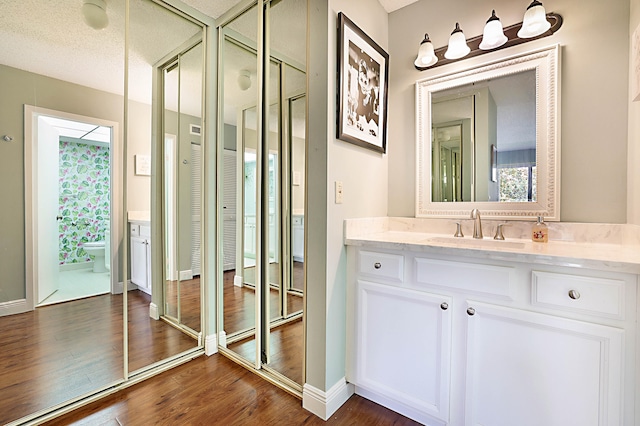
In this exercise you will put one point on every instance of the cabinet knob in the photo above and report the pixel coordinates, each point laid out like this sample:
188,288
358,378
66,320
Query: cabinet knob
444,306
377,265
574,294
471,311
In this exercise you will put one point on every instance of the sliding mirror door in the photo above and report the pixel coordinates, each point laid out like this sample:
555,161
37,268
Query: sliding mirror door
164,296
239,89
61,311
263,116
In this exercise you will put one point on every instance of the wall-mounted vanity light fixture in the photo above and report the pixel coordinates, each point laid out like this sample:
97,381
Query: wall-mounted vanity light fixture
536,24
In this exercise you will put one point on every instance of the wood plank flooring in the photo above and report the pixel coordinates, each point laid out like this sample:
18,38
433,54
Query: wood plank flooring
62,351
216,391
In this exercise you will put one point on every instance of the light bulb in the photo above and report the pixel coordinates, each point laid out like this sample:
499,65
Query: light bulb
457,45
534,22
493,34
426,55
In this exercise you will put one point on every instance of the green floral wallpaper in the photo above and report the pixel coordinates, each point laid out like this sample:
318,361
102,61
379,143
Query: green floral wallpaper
84,198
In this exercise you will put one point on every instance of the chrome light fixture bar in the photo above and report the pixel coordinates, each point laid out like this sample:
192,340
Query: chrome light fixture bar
493,38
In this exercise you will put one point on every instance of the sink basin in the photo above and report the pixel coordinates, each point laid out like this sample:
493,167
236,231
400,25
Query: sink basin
473,243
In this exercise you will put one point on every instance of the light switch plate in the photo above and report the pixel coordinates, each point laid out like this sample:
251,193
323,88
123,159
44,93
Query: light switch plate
339,192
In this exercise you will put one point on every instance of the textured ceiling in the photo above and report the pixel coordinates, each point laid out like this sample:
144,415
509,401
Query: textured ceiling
49,37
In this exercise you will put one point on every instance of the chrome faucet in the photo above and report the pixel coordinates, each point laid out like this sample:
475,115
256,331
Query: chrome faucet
477,224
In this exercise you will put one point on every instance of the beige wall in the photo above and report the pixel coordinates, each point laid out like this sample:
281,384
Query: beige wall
594,96
633,160
19,88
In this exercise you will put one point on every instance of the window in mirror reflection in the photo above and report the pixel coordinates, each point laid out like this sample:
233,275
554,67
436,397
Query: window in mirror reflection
468,121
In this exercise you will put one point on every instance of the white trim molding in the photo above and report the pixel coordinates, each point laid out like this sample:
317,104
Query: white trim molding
153,311
237,281
211,344
324,404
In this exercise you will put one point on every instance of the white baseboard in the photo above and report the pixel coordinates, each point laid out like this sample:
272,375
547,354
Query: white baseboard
13,307
76,266
186,275
222,339
211,344
153,311
237,281
324,404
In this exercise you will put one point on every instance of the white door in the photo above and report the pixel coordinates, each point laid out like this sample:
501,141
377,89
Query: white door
229,210
47,210
139,261
413,329
530,369
196,205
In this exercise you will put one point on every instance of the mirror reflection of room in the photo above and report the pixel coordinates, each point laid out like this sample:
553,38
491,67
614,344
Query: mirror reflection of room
264,196
484,141
62,317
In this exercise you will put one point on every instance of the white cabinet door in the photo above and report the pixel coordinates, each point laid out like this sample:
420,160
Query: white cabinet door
531,369
298,239
139,261
403,348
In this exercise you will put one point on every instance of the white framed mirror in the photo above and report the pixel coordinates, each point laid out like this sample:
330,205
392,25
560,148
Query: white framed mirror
487,137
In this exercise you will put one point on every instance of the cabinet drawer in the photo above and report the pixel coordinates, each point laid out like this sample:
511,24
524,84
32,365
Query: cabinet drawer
471,277
383,266
590,295
134,230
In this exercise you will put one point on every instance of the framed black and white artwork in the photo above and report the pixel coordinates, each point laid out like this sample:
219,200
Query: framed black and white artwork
363,69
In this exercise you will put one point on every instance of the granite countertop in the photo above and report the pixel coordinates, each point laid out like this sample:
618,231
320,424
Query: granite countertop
614,248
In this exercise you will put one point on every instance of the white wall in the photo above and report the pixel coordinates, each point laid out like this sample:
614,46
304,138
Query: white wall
365,182
594,95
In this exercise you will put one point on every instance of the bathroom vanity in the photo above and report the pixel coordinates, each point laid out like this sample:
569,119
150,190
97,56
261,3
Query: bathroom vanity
140,246
457,331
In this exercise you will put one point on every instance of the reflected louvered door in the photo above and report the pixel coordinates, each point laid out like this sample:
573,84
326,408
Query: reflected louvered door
196,204
229,205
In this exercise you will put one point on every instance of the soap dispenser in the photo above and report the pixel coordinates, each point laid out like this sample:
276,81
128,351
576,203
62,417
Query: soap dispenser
540,232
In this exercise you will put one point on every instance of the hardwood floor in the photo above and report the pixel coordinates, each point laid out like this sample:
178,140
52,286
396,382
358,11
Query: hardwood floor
285,348
62,351
151,341
216,391
239,305
189,301
59,352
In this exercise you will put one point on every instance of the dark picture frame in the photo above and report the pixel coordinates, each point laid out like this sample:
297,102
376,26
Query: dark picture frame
363,74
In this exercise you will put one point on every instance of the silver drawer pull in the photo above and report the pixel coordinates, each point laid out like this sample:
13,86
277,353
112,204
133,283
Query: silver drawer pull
471,311
377,265
574,294
444,306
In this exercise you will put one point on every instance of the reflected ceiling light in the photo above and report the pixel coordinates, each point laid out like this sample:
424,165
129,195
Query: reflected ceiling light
95,13
535,21
426,55
493,34
457,45
244,80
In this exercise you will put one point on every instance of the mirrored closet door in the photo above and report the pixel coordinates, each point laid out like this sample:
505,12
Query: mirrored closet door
84,308
165,309
262,57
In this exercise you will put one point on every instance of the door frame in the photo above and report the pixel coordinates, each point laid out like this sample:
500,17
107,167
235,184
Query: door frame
31,114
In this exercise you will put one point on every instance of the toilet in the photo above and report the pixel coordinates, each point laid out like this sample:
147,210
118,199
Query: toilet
96,250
